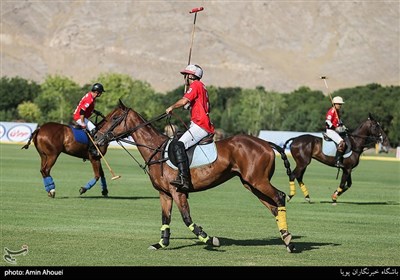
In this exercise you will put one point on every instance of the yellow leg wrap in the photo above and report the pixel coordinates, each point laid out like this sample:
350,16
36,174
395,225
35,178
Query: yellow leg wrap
304,189
201,238
281,219
164,227
292,188
161,243
191,227
339,190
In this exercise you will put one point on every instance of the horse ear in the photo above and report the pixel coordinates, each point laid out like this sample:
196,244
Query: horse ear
121,105
371,117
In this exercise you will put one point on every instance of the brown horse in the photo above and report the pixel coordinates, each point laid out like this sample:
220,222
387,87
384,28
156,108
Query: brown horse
51,139
250,158
306,147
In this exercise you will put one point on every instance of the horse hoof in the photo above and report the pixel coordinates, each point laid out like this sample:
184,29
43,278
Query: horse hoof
290,248
52,193
104,193
155,246
82,191
289,197
308,199
215,242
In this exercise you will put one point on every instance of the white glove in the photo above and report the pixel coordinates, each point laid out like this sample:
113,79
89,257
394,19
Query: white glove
340,129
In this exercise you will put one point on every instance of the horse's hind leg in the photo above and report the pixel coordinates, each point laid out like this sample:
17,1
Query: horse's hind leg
274,200
47,163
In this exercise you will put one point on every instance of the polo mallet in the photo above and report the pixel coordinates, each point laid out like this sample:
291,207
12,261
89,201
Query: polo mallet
324,78
114,177
195,11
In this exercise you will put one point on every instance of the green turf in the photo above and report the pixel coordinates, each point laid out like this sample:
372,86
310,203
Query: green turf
363,229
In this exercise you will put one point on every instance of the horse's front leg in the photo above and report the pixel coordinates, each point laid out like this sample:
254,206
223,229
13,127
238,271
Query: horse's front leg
346,178
166,208
183,206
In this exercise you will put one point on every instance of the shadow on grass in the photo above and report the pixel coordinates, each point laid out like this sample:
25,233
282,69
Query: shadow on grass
110,197
224,242
364,203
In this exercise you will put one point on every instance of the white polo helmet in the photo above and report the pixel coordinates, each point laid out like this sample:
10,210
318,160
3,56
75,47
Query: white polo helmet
337,100
193,69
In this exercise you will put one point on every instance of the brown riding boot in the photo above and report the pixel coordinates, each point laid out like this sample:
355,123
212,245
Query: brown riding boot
339,155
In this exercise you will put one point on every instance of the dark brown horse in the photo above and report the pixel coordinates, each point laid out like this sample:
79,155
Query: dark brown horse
51,139
306,147
250,158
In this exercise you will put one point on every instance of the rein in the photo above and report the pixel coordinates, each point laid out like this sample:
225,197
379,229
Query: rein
130,131
122,138
369,139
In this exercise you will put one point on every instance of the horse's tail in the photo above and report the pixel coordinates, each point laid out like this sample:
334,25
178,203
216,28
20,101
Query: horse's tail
26,146
287,142
283,156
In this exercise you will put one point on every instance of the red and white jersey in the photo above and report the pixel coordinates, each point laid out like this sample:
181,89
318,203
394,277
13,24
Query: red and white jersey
332,117
200,107
86,104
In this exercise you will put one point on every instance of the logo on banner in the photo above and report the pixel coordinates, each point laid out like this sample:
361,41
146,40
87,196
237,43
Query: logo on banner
2,131
19,133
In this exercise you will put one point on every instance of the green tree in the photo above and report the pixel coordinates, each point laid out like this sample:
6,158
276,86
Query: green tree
29,112
305,111
57,100
14,91
134,93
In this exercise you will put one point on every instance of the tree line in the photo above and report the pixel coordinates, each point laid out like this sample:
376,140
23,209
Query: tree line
234,110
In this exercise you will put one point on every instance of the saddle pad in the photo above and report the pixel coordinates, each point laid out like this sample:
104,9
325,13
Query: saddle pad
203,154
80,135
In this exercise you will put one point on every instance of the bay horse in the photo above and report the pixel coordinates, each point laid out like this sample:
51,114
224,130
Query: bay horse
247,157
306,147
51,139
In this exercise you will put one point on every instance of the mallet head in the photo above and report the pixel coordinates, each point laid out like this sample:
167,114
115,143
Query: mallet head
195,10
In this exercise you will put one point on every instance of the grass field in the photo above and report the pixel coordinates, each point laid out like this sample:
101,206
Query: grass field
363,229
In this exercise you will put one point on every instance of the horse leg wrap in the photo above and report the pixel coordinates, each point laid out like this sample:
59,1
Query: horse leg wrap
292,188
90,184
281,219
304,189
164,242
49,183
336,194
198,231
165,234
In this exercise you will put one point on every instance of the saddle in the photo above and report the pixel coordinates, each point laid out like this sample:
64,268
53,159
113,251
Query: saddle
329,147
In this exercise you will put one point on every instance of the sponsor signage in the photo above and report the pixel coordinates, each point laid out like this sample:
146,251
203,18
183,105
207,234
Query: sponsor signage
14,132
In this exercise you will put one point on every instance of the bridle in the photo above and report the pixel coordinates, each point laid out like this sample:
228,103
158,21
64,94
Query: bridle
372,138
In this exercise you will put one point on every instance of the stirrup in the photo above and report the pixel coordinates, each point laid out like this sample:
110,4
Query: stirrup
181,183
339,164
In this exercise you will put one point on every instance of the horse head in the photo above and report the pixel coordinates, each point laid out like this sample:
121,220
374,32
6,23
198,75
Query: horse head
111,129
375,132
